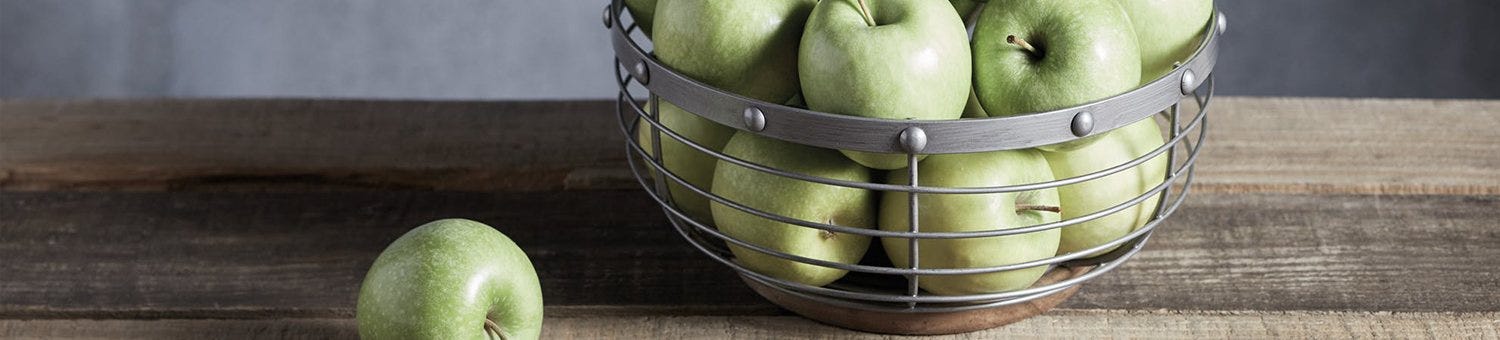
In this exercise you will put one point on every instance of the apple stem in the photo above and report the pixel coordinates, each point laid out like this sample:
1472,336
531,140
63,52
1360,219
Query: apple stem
1024,45
827,234
1038,207
493,330
864,10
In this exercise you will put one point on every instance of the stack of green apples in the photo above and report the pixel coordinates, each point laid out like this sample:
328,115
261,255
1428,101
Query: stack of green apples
917,60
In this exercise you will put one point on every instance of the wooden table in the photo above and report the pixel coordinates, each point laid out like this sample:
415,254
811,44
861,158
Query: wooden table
257,219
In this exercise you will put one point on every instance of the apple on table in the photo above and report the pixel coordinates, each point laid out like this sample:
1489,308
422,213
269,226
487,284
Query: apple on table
450,279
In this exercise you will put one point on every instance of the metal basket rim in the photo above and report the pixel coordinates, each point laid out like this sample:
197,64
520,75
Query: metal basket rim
1167,145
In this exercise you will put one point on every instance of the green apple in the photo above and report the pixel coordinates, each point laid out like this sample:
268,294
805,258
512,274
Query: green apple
745,47
967,8
642,11
450,279
891,59
797,101
697,168
792,198
1167,31
972,109
1111,149
975,212
1034,56
1145,137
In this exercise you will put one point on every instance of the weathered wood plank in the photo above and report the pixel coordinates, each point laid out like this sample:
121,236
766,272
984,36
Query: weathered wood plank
180,329
1389,146
274,255
1315,252
1059,324
185,144
280,254
1068,324
1301,145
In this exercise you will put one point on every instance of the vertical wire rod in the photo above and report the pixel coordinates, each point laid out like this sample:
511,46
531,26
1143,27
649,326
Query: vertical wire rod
1171,159
653,105
914,224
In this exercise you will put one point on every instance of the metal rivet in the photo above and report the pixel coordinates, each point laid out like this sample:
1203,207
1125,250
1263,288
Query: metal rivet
913,139
754,119
642,73
1189,82
1222,24
607,23
1083,124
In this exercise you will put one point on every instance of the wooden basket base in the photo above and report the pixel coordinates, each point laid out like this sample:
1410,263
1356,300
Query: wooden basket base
921,323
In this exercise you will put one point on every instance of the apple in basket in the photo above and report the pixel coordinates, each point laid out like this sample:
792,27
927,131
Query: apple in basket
697,168
450,279
1167,31
642,11
794,198
975,212
745,47
1034,56
1087,197
891,59
965,8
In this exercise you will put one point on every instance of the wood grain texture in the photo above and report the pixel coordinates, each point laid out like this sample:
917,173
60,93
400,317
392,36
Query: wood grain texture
309,328
176,328
1059,324
297,144
277,255
1287,145
1069,324
1368,146
1314,252
212,255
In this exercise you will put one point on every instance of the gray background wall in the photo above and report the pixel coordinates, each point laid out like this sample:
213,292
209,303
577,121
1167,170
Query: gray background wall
537,49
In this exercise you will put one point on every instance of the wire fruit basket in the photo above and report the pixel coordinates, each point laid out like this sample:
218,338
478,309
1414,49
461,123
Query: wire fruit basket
879,296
